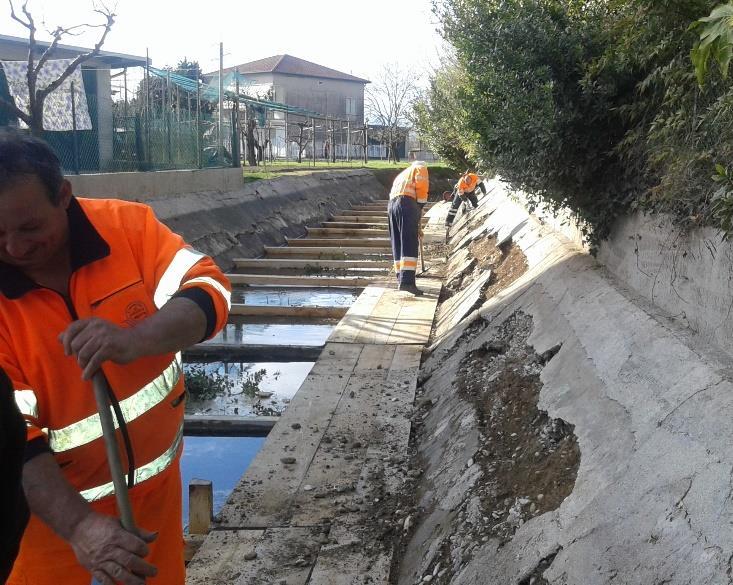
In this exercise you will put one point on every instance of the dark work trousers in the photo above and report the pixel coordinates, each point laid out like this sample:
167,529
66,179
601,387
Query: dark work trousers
404,215
457,200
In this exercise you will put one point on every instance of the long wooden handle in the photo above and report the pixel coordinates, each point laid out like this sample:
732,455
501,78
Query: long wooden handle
101,394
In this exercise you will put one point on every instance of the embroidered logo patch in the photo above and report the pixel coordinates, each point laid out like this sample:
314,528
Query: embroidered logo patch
135,311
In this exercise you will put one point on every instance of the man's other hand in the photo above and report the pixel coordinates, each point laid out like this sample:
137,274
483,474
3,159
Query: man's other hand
110,553
94,341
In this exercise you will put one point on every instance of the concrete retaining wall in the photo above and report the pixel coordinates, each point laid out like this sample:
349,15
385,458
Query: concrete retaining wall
687,274
140,186
650,403
238,223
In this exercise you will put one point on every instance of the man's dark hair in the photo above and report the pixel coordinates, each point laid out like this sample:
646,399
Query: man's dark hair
22,154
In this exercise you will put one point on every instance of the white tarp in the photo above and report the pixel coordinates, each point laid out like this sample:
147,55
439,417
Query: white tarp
57,108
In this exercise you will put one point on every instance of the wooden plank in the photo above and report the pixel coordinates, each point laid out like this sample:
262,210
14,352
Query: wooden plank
396,317
264,496
226,557
361,242
381,220
285,311
348,563
228,426
337,252
323,232
311,281
309,264
350,326
215,352
200,506
381,213
191,544
354,225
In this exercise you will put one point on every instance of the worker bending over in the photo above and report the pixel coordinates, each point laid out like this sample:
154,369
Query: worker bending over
88,284
406,200
465,190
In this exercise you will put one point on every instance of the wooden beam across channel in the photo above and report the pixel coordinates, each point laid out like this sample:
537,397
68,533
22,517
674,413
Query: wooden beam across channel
274,280
324,232
209,351
361,242
285,311
309,264
334,252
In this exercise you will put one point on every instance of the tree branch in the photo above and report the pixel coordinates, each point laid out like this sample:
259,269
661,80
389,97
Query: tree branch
15,110
81,58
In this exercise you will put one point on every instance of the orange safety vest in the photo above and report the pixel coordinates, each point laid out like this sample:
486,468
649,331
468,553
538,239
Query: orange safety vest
126,266
467,183
412,182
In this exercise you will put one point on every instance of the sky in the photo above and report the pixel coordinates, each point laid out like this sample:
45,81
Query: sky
353,37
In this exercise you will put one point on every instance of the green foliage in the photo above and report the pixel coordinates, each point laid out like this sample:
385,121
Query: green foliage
722,204
588,104
716,40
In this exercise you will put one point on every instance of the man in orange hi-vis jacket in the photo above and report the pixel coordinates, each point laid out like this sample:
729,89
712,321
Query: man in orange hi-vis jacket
465,190
88,284
406,199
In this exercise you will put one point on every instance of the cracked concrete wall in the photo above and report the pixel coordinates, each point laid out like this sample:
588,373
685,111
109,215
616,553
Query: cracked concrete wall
686,273
227,224
651,404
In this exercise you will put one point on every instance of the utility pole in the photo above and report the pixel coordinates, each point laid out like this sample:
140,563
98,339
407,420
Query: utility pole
220,149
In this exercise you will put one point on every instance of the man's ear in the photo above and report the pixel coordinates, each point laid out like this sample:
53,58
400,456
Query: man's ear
65,194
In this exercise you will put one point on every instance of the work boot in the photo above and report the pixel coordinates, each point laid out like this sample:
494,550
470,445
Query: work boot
412,289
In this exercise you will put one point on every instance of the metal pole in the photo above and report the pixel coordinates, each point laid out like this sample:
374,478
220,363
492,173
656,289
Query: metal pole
348,141
73,125
168,103
198,123
313,120
287,143
235,129
147,109
221,102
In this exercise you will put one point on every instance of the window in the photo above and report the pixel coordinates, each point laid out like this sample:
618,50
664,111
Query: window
350,107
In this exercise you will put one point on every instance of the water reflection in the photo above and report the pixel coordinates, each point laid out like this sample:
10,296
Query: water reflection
292,297
273,334
221,460
275,388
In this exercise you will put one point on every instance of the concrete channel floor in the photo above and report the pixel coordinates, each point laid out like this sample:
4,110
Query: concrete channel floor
305,512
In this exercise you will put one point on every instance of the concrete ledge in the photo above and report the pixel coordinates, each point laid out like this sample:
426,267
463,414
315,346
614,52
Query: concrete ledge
132,186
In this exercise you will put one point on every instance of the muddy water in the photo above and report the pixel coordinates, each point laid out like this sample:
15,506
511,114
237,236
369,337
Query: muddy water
221,460
276,384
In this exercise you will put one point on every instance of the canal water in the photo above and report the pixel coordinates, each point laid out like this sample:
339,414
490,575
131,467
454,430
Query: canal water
221,460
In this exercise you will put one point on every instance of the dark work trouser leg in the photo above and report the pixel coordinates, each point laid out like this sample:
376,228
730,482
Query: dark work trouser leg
455,204
394,225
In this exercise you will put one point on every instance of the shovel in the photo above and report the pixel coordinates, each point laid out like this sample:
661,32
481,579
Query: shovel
422,257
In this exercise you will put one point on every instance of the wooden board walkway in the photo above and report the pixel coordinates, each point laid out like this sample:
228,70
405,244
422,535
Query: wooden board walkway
304,512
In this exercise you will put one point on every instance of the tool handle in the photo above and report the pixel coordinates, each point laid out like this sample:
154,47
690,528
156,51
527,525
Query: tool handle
101,394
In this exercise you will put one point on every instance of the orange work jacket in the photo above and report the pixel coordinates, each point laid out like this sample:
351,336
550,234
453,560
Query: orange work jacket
412,182
467,183
126,265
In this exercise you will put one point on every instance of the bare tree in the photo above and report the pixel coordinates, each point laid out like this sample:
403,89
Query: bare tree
37,96
388,104
299,137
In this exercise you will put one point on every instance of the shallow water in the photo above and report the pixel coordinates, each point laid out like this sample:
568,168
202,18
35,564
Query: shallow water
274,334
295,297
221,460
280,379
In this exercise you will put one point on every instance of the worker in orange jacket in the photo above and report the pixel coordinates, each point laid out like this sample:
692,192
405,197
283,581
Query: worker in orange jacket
465,190
407,198
88,284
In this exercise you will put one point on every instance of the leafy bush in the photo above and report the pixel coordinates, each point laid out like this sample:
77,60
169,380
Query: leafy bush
589,104
202,385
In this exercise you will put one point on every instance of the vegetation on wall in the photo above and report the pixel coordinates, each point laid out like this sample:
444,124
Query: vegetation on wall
590,104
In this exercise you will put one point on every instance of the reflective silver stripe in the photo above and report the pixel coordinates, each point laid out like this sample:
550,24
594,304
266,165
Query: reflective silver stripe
170,282
89,429
27,402
143,473
216,284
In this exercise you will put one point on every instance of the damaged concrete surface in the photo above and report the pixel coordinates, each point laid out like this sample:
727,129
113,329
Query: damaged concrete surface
565,384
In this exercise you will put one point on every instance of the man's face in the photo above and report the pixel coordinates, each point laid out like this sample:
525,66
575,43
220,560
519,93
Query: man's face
33,231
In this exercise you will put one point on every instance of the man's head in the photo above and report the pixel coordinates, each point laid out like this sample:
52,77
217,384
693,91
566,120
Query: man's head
33,200
23,155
